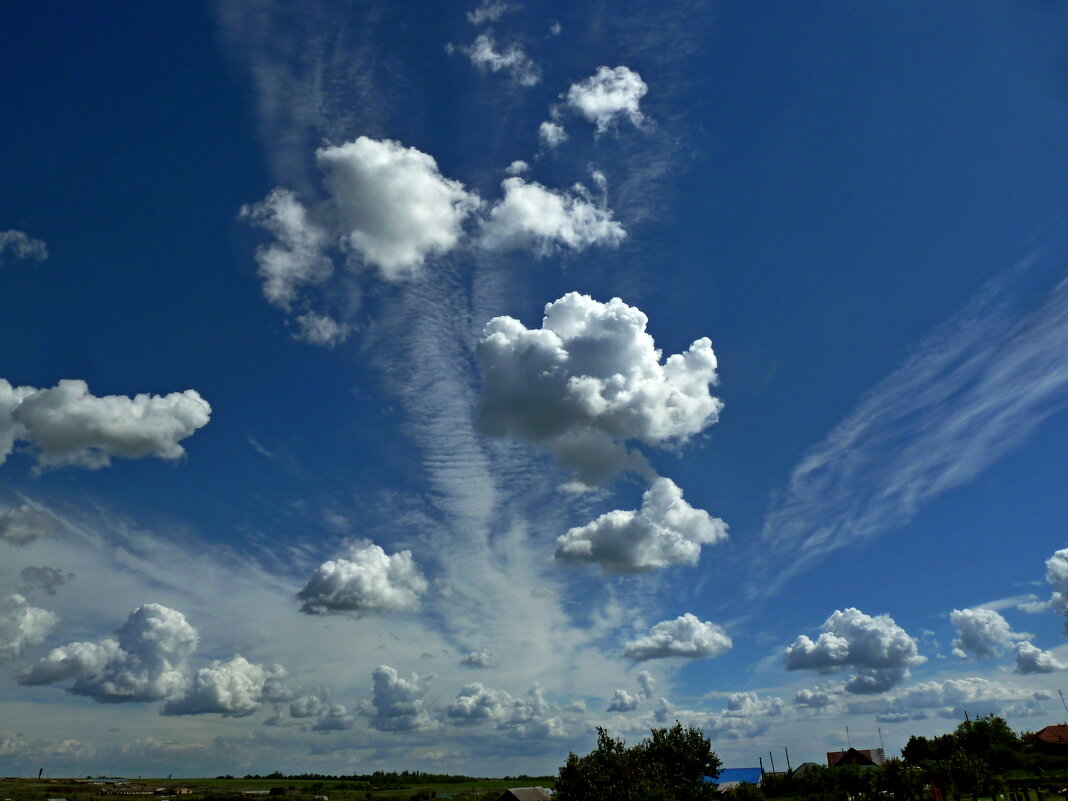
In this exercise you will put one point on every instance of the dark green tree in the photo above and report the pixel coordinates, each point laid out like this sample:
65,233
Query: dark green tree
669,765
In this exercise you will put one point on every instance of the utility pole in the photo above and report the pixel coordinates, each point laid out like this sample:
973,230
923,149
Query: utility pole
789,769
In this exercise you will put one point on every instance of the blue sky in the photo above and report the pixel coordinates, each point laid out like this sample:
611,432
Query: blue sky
325,445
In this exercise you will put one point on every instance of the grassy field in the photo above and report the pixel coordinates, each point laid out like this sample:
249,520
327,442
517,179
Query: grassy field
306,789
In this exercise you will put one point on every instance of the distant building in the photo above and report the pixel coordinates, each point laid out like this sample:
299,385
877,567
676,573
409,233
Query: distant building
1050,740
864,758
729,778
526,794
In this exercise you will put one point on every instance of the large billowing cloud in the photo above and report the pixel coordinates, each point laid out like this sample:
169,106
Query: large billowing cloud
592,374
70,427
686,636
665,531
530,216
366,579
394,209
22,625
879,650
234,688
512,60
608,96
983,633
146,661
21,246
1032,659
25,524
399,703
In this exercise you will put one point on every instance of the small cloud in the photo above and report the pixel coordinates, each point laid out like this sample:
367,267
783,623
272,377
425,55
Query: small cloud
479,659
686,636
1032,659
608,96
44,578
22,625
517,167
25,524
484,55
321,329
555,28
21,246
551,134
489,11
366,579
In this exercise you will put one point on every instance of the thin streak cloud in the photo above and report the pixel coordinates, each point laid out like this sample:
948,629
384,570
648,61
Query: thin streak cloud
975,388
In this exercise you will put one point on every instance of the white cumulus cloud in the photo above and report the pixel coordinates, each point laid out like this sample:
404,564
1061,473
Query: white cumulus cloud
607,96
488,11
530,717
297,256
593,374
68,426
366,579
686,636
146,661
531,216
22,625
949,698
982,633
551,134
394,209
1032,659
880,651
478,659
321,329
399,703
1057,576
665,531
234,688
484,54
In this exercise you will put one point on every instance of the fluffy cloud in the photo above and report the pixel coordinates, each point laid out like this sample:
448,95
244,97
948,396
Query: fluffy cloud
398,703
21,246
146,661
532,216
623,701
592,373
1032,659
489,11
746,715
665,531
366,580
24,524
1057,576
817,697
983,633
608,96
296,256
478,659
517,167
307,706
22,625
878,649
551,134
948,699
528,718
43,578
69,426
394,208
234,688
336,718
484,54
686,636
321,329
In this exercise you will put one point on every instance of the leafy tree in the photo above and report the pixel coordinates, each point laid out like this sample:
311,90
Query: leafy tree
669,765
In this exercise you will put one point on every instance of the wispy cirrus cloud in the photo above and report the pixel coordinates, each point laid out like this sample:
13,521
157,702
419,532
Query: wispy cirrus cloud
975,388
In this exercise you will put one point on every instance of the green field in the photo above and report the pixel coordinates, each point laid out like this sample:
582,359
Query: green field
283,788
